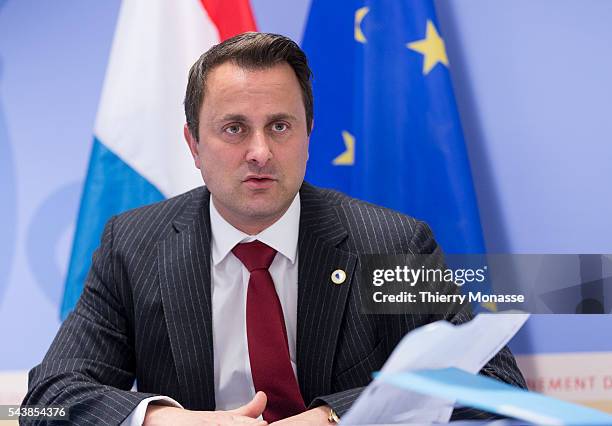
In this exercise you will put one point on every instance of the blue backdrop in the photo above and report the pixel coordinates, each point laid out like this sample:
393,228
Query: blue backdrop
533,91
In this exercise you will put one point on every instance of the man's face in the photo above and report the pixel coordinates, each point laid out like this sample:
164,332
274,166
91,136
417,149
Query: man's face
253,143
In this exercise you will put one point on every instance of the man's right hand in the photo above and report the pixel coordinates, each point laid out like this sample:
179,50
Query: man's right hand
247,414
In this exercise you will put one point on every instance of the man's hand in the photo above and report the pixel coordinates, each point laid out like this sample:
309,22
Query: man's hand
247,414
314,416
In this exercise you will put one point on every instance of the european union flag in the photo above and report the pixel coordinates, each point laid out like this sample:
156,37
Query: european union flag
386,124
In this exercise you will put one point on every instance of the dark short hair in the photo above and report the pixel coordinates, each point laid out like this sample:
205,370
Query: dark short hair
250,51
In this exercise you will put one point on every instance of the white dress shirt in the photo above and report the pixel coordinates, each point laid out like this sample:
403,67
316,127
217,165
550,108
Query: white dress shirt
230,278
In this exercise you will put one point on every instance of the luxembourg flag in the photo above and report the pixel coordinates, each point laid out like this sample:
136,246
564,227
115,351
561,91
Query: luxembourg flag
138,155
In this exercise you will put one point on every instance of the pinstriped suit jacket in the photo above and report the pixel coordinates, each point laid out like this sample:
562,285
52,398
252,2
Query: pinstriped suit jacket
145,312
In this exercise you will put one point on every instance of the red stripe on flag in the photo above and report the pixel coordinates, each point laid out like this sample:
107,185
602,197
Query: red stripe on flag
231,17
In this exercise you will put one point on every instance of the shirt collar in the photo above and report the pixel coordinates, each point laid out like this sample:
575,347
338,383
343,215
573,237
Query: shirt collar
282,235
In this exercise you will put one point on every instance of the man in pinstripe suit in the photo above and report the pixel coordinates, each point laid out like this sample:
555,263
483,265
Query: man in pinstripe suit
164,302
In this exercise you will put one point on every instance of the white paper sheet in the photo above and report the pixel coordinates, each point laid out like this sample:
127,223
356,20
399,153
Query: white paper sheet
468,346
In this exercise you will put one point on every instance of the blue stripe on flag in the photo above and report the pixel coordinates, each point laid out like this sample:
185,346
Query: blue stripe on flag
111,187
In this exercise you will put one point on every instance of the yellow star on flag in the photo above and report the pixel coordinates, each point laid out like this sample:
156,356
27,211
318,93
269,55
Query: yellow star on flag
431,47
347,158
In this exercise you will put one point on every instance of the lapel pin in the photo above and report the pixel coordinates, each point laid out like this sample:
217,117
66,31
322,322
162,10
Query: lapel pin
338,276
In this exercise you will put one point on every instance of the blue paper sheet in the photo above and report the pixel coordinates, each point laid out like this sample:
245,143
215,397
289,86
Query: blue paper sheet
482,392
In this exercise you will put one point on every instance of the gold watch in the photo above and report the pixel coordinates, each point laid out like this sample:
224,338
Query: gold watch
333,417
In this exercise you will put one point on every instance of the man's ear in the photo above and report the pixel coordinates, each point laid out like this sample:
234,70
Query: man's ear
192,143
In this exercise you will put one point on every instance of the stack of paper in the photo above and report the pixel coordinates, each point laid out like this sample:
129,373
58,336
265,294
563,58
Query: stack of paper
434,367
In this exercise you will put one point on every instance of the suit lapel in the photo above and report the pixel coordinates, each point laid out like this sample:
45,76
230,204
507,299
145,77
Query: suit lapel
321,303
184,271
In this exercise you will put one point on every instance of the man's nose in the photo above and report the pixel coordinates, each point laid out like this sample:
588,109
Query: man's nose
259,149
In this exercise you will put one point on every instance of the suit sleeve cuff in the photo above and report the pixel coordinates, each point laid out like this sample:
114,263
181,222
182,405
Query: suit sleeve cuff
341,402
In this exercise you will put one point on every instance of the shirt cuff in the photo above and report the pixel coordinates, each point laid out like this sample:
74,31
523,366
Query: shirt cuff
136,417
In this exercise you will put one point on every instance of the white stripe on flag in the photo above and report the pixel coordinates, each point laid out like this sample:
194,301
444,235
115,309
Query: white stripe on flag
141,116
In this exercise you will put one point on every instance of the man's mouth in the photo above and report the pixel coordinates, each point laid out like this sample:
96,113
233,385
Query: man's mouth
259,181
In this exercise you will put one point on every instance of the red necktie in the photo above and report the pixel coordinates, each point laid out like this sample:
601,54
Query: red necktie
267,335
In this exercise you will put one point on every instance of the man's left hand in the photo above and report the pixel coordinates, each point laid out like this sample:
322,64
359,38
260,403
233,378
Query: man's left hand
314,416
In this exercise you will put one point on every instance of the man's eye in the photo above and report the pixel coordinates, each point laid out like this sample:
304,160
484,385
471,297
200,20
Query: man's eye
234,129
279,127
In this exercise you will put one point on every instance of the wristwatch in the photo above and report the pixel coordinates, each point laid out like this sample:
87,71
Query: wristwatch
333,417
